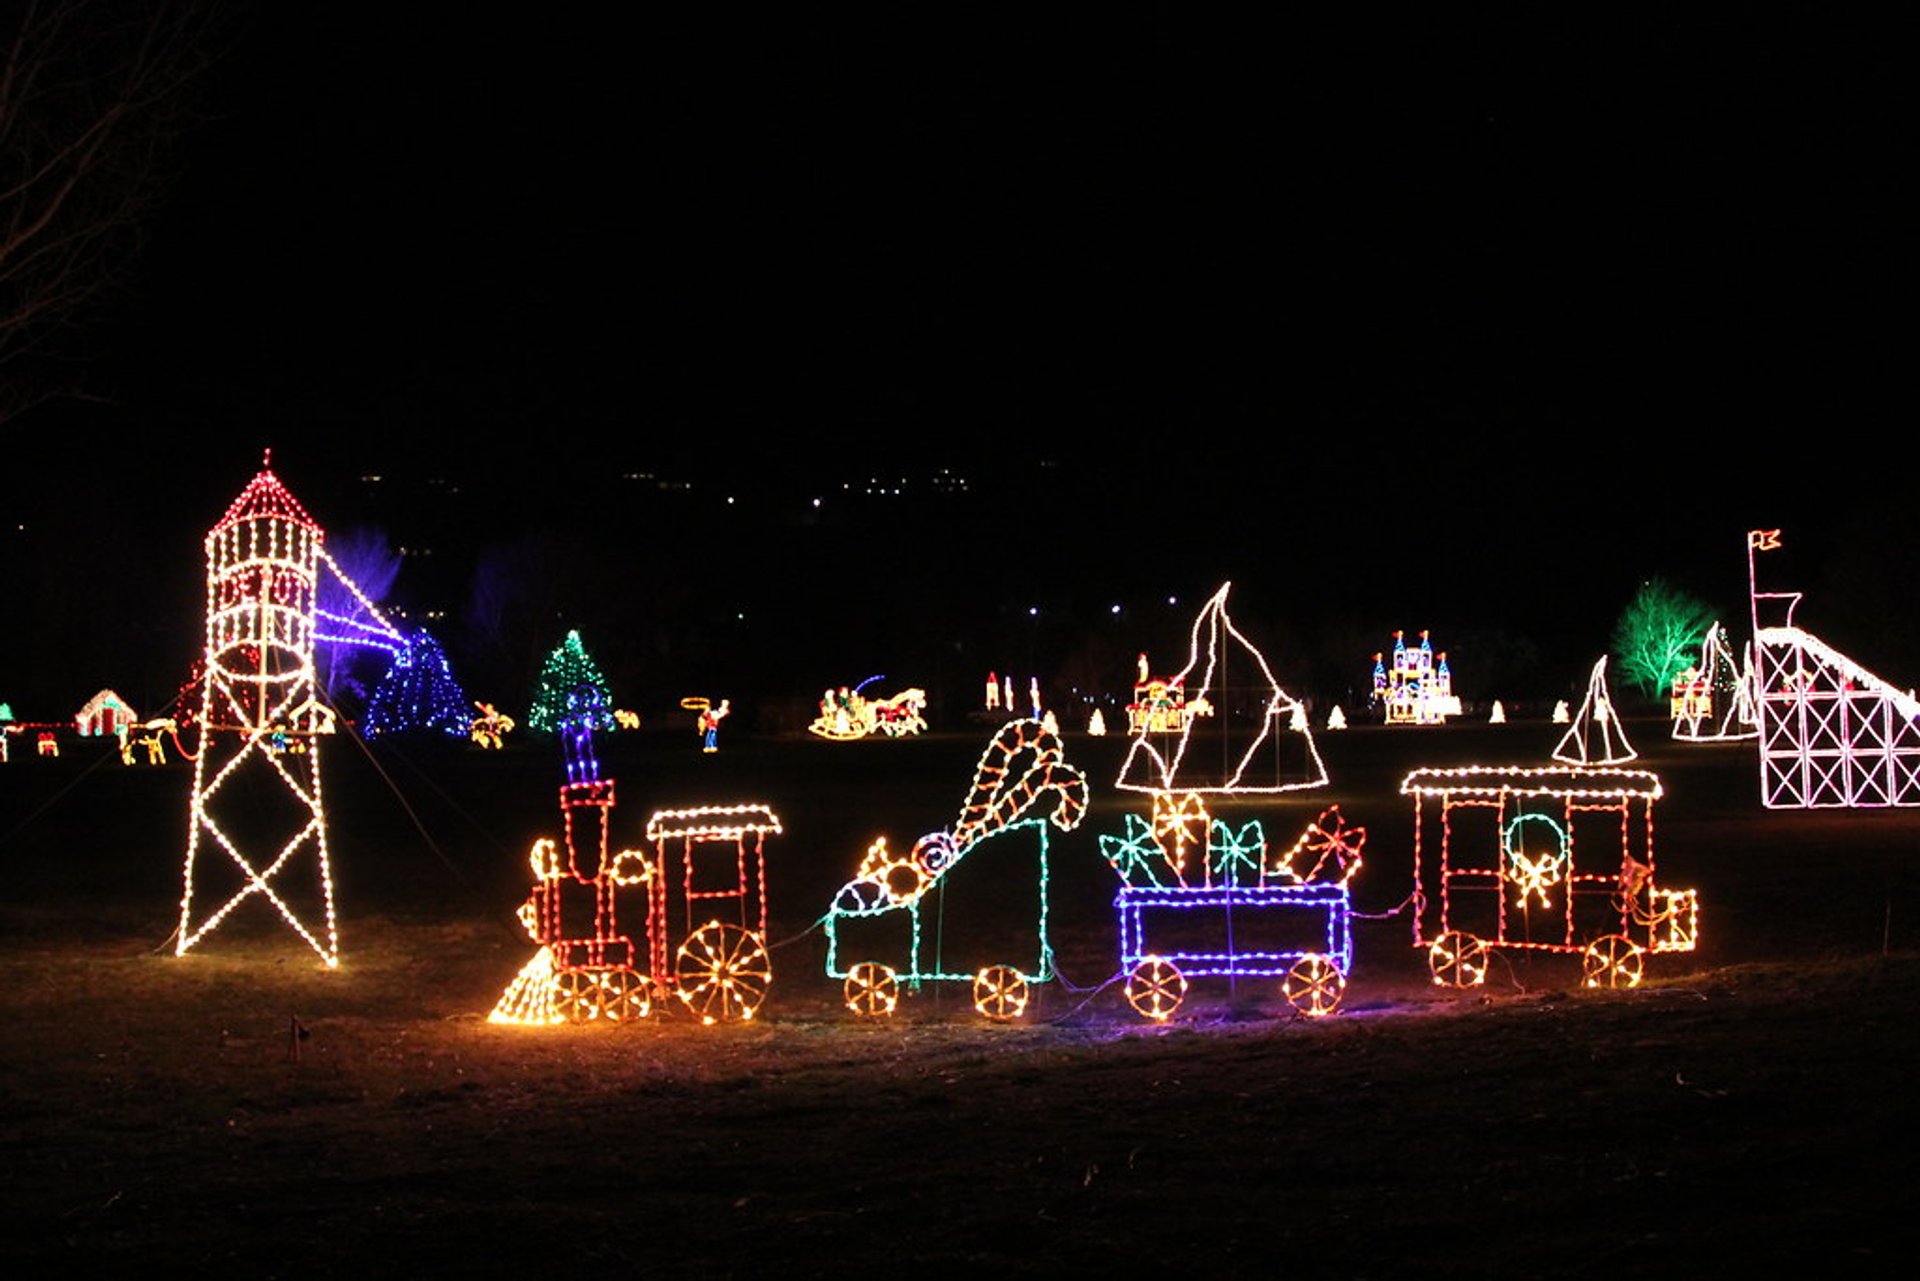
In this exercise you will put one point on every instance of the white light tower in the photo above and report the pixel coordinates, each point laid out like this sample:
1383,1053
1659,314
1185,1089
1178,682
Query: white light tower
256,775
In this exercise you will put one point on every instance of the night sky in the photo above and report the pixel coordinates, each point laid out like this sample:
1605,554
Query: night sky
1469,329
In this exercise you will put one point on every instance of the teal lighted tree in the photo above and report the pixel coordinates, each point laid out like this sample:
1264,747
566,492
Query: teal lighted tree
568,668
1658,635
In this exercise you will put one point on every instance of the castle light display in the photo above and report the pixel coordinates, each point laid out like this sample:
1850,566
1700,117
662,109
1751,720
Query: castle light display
1832,734
877,942
260,717
1418,688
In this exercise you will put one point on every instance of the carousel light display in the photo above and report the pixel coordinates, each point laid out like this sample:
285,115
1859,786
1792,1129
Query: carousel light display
260,716
1832,733
876,942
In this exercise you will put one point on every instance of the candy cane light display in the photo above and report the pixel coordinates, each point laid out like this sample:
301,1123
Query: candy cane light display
877,942
257,828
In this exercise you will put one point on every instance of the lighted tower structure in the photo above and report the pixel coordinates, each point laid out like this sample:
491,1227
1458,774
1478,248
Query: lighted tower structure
257,827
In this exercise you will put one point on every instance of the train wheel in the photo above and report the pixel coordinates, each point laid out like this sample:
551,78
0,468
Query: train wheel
1000,993
1155,988
1612,961
1314,985
626,997
576,995
1457,959
872,990
722,973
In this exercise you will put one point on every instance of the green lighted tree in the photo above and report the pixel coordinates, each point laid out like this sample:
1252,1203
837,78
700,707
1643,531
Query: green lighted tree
1658,635
567,668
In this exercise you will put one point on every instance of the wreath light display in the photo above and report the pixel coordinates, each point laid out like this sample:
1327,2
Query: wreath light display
1252,742
260,716
1505,857
876,940
1235,911
1832,734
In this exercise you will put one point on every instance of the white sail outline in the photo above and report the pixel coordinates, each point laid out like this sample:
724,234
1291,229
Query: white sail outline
1160,772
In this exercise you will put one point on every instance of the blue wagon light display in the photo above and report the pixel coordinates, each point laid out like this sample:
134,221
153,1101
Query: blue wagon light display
877,935
1220,905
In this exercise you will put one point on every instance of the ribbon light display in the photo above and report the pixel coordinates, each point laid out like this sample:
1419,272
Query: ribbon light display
876,940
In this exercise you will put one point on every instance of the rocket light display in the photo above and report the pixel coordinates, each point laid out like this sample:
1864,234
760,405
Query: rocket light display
260,717
875,940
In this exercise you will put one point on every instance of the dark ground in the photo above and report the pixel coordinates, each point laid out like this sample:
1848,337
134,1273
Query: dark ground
1747,1111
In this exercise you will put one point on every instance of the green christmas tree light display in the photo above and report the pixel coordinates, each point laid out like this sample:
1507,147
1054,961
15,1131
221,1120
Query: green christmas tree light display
567,668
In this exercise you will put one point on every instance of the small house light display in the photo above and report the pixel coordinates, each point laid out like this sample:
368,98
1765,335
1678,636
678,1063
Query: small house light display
1200,897
1418,688
105,715
1547,859
1159,705
602,918
1832,734
877,938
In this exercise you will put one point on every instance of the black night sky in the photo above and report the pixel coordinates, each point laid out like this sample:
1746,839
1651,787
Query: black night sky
1468,329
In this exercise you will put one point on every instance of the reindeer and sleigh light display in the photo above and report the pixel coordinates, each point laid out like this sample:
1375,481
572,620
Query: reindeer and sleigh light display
587,904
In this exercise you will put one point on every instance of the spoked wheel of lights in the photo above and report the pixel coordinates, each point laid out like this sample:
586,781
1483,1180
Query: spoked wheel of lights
1000,993
1156,987
722,972
577,995
1458,959
1314,985
626,996
872,990
1613,960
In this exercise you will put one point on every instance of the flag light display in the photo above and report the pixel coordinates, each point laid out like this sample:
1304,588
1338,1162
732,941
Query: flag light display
1418,688
1832,734
602,919
1235,730
1594,734
877,940
1231,908
260,717
1547,859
